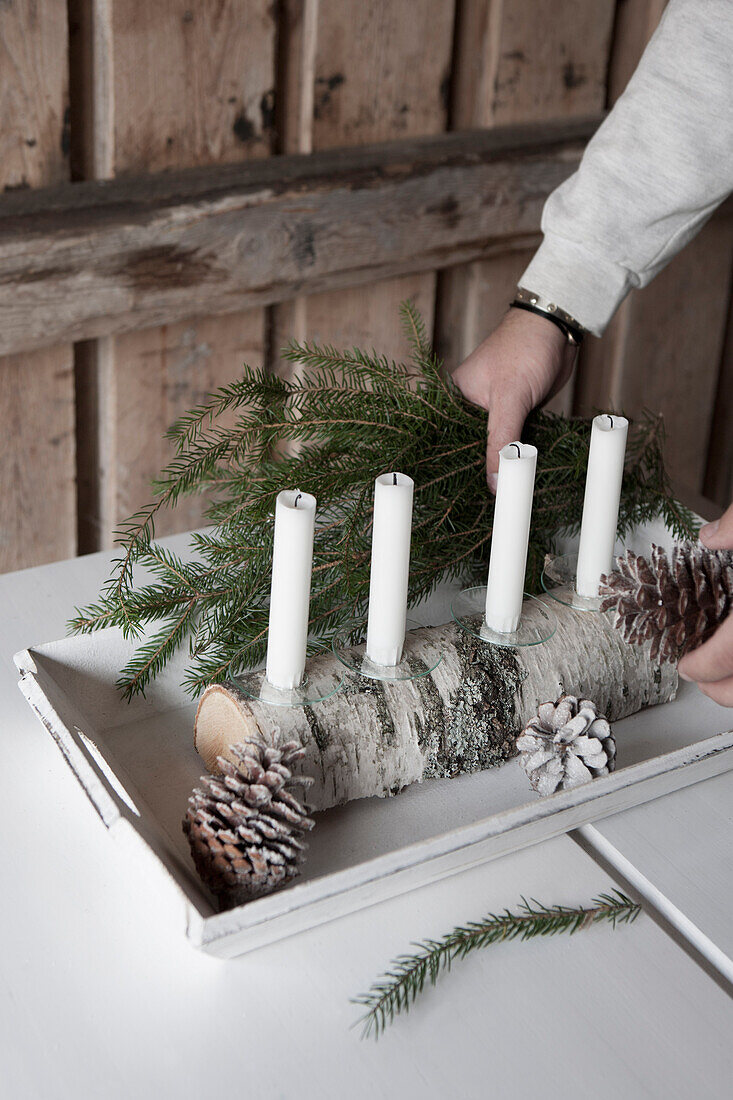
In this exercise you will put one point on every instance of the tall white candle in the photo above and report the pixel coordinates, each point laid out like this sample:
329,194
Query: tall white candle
391,531
510,536
602,496
292,559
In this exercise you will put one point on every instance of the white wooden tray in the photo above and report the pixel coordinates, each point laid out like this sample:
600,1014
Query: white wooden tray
137,764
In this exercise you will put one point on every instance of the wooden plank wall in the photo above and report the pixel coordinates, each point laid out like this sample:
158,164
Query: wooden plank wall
37,462
99,89
184,85
517,61
361,71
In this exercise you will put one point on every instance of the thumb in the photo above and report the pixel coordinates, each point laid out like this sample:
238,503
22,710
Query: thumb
719,535
506,421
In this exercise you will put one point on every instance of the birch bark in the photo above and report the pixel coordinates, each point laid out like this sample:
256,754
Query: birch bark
375,738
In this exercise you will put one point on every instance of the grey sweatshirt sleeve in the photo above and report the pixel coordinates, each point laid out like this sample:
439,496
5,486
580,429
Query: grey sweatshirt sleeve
652,174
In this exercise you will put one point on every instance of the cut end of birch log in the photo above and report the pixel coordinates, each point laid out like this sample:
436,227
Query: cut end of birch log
375,738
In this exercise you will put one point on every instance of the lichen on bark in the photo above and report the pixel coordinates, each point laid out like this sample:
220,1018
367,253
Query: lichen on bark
375,738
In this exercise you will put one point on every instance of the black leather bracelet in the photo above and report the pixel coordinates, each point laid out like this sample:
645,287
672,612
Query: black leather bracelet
572,334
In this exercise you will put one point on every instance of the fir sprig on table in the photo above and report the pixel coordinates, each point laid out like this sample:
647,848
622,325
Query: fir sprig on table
408,975
342,418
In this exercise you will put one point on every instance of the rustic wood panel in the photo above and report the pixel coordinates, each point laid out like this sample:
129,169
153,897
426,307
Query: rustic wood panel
719,468
718,482
368,70
166,371
107,258
34,137
38,510
294,101
37,468
366,318
516,62
193,82
188,84
381,70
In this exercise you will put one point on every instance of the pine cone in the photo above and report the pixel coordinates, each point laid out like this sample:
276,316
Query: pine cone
677,604
566,744
244,827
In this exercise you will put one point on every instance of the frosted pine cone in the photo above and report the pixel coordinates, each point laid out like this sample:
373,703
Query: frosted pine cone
245,826
676,603
566,744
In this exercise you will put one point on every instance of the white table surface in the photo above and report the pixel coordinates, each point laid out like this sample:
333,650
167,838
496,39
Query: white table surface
101,996
683,844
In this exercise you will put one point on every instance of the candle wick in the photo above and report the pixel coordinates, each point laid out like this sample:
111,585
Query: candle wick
519,449
295,503
394,479
610,418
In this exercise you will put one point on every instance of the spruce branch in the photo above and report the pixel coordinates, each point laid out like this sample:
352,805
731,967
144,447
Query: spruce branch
398,989
342,418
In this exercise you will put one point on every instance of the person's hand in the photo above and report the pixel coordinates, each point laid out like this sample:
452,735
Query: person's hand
711,664
522,363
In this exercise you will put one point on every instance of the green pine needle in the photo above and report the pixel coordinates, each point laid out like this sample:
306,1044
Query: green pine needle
408,975
343,418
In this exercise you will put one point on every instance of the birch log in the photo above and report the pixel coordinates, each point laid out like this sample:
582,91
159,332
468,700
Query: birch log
375,738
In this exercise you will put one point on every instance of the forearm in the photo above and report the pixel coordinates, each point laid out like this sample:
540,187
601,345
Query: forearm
651,176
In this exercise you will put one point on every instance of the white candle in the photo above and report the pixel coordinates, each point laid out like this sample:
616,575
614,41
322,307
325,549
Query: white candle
510,536
391,531
292,559
602,496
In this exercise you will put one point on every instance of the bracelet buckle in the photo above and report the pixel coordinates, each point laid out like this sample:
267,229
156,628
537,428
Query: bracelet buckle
534,303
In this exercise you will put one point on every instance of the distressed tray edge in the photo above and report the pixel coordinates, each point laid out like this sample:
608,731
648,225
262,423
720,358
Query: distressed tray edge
306,905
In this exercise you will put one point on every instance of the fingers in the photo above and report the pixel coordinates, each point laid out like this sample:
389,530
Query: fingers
506,420
719,535
712,661
711,665
721,692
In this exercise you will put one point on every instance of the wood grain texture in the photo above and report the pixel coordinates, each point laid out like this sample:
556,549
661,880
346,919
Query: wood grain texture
294,102
37,467
193,83
119,256
161,373
133,387
175,86
636,21
520,60
365,317
719,467
381,70
516,62
34,137
37,509
376,70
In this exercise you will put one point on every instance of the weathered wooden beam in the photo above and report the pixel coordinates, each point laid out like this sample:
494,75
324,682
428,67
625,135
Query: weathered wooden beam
95,258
